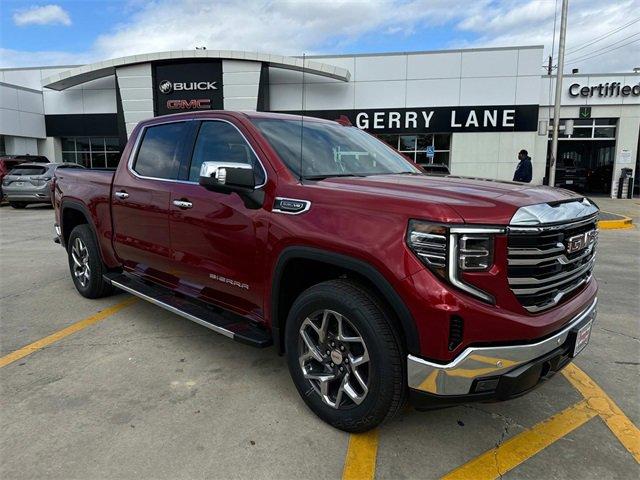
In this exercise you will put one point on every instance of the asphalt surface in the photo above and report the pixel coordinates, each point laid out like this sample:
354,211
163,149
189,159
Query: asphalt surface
146,394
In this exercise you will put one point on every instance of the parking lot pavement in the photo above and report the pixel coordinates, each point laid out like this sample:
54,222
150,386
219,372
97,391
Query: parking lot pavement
146,394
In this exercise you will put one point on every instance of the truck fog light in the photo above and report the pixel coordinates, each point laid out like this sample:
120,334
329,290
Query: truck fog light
486,385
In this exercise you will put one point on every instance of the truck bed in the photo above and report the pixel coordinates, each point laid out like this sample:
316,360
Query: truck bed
86,186
91,191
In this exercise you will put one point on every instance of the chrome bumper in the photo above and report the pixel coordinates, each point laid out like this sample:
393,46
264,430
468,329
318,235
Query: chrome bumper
457,377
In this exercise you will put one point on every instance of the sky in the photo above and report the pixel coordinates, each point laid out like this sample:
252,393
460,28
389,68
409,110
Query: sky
603,35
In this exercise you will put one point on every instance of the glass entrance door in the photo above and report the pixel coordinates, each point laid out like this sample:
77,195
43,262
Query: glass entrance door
586,157
585,166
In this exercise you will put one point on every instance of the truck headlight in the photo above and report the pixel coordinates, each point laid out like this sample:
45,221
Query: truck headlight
448,250
430,243
475,251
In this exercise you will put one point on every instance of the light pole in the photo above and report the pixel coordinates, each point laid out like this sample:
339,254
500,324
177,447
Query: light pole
556,105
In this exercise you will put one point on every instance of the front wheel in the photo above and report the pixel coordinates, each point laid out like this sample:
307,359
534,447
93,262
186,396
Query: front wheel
344,357
86,265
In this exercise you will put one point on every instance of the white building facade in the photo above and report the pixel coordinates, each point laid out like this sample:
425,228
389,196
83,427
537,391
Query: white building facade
472,110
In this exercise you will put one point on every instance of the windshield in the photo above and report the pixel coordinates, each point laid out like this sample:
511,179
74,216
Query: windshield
28,171
330,150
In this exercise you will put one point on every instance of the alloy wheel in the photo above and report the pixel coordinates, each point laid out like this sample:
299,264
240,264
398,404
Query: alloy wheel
334,359
80,257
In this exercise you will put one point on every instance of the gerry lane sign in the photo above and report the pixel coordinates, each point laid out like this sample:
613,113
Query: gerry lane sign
496,118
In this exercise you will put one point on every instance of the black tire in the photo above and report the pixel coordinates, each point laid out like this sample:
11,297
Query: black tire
386,374
18,205
95,286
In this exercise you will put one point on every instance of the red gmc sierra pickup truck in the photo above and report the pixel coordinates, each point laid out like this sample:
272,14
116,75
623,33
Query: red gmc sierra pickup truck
379,283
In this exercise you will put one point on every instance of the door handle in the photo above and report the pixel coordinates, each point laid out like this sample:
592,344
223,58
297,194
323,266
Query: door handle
122,195
182,204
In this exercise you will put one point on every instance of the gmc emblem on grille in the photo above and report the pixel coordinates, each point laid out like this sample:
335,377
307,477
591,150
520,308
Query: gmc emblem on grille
580,241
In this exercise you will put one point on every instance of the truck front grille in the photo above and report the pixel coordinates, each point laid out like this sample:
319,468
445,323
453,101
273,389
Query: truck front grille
548,264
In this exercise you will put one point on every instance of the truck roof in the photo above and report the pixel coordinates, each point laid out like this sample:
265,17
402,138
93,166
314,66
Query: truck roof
232,113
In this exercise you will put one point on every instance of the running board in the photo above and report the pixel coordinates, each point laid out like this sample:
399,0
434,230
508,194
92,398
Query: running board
221,321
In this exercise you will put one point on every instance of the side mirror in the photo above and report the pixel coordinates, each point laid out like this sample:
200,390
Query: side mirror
227,176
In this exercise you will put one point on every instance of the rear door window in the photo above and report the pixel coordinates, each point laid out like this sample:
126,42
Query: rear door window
160,151
28,171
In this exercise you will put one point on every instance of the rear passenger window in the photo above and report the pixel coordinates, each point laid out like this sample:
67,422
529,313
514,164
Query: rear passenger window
222,142
159,153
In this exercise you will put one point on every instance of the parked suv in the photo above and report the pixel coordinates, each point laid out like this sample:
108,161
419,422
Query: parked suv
376,281
7,162
31,183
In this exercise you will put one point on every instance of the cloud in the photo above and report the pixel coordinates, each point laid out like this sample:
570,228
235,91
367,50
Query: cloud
504,23
45,15
286,27
290,27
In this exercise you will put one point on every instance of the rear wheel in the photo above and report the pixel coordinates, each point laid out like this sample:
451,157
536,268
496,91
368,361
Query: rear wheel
86,265
344,357
18,205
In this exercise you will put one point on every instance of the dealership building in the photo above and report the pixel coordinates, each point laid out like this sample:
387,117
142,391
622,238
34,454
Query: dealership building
471,109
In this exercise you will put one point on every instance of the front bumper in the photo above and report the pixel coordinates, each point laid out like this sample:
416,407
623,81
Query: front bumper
485,373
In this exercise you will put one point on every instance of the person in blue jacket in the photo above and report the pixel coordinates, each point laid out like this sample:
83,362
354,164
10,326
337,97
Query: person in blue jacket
524,169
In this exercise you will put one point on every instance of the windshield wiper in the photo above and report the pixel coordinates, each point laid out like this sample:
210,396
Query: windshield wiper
331,175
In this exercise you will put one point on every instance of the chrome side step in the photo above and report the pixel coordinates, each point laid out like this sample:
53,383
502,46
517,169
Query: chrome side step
218,320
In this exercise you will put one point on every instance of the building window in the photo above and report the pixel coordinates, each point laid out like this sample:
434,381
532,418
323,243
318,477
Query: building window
91,152
415,146
589,129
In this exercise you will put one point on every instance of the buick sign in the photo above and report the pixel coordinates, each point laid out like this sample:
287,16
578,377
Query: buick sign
167,87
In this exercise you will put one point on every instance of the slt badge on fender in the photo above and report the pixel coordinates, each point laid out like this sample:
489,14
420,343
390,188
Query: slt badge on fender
290,206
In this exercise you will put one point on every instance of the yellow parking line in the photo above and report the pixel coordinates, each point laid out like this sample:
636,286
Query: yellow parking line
65,332
513,452
360,463
599,401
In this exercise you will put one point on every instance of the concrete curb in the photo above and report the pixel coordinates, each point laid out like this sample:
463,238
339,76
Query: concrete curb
620,223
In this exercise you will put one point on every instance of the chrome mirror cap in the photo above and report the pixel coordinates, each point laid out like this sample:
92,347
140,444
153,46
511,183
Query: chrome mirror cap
218,170
227,176
544,213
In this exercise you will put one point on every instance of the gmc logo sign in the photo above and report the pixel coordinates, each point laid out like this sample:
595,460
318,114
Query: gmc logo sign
195,104
580,241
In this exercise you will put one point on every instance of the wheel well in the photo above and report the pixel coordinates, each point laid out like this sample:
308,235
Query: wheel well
71,218
299,274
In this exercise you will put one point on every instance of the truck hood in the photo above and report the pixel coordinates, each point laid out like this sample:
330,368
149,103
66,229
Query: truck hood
476,200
